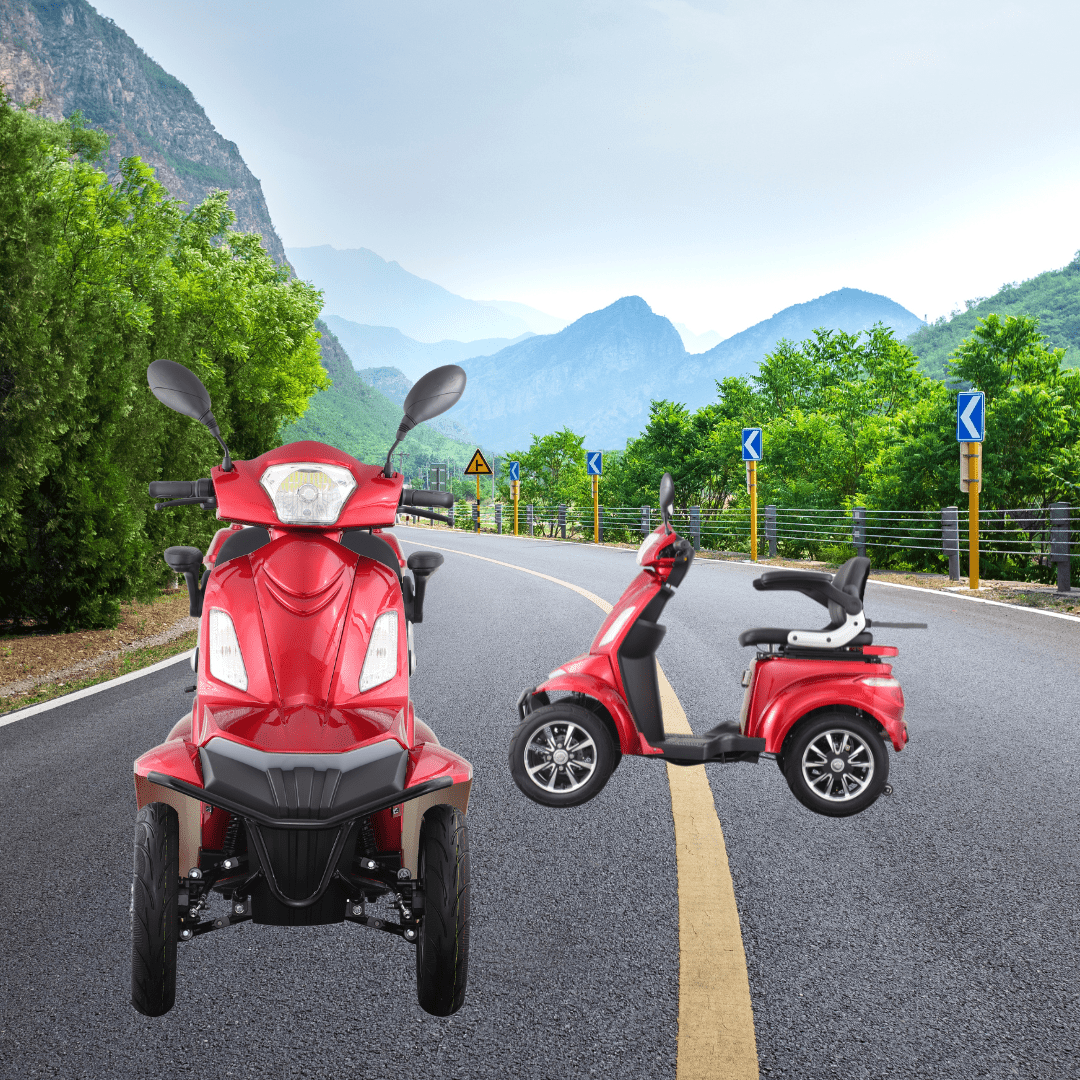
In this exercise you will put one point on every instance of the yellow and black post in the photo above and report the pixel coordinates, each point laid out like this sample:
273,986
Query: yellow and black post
478,467
752,470
596,508
974,464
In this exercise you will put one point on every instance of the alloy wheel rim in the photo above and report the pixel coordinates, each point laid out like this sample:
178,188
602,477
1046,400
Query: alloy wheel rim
560,757
837,765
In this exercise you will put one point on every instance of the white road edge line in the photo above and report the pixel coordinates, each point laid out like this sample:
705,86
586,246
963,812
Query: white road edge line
55,703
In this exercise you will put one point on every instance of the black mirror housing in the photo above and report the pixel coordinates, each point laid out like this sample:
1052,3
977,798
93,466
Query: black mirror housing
432,394
667,499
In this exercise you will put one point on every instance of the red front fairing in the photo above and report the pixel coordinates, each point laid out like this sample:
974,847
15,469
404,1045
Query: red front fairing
597,674
241,497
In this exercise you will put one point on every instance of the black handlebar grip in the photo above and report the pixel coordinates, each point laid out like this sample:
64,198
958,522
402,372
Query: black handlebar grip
418,497
171,489
181,489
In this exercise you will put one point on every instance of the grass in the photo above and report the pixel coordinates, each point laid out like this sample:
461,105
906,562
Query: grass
121,665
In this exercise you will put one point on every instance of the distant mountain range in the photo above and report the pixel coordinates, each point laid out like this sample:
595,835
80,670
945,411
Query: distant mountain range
362,287
599,375
386,346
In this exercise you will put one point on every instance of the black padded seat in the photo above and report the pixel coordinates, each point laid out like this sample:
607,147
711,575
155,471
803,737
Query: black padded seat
370,546
841,593
243,542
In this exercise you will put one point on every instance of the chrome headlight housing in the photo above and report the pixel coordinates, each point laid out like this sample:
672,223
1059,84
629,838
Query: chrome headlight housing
304,493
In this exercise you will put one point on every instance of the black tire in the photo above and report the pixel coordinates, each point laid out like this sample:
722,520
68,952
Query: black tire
442,946
554,731
154,890
836,764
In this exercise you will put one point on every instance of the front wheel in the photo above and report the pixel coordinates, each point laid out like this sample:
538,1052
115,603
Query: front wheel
442,947
836,764
562,755
154,894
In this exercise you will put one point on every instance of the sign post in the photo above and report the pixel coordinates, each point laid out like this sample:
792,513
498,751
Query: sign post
515,488
970,433
478,467
594,466
751,452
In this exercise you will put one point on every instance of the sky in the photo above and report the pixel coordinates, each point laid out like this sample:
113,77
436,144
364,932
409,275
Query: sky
720,159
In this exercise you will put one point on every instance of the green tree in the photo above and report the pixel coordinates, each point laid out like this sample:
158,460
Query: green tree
96,280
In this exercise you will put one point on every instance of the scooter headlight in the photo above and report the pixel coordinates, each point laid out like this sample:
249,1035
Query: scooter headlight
307,494
381,661
226,660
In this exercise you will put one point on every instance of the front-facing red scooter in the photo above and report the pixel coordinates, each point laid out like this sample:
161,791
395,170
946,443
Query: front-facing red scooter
822,702
300,787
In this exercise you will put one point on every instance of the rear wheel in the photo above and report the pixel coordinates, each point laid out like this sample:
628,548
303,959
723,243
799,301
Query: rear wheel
442,946
562,755
154,890
836,764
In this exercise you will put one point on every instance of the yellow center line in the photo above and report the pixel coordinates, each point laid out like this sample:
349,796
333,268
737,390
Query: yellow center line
716,1018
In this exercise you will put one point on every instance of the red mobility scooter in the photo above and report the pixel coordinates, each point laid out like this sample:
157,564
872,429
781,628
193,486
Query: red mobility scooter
301,787
821,702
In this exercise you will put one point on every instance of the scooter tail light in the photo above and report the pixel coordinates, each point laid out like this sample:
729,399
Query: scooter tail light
381,660
226,660
875,680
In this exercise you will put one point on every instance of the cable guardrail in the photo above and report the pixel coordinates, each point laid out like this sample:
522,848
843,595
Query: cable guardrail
1022,540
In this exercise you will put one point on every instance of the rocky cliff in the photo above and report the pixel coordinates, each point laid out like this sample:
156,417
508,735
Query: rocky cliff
67,56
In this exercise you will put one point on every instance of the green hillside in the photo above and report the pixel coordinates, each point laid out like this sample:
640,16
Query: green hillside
1053,296
358,419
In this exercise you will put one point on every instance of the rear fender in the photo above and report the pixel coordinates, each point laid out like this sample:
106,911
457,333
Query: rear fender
791,705
631,741
175,758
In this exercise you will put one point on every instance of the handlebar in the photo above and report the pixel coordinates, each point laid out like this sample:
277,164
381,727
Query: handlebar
418,497
181,489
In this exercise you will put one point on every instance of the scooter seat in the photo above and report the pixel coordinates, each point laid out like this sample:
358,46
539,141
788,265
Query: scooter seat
841,593
772,635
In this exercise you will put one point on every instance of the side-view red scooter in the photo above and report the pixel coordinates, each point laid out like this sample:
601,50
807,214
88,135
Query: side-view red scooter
301,787
822,702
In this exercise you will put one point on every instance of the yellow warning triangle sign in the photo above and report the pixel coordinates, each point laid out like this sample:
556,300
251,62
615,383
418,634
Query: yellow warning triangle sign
478,466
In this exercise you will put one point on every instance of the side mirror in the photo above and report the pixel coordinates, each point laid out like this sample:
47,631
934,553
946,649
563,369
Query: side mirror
667,499
432,394
183,392
179,389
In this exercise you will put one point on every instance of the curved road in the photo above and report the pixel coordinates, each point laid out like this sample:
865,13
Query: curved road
934,935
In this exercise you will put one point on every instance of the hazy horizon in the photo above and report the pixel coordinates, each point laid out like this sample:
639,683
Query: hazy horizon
722,160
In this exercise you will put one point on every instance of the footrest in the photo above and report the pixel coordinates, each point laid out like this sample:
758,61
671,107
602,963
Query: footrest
723,743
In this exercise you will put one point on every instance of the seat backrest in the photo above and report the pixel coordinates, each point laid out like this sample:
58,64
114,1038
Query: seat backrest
851,579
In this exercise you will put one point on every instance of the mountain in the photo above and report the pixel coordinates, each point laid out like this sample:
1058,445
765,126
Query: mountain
697,343
537,321
599,375
596,377
385,346
394,384
360,286
357,418
851,310
71,58
1053,296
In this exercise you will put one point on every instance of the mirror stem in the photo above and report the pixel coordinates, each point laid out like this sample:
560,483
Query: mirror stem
388,469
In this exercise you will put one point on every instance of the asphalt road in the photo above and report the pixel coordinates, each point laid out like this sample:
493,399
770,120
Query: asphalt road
933,935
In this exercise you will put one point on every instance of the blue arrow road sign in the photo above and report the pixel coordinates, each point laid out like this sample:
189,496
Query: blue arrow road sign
594,462
515,470
751,444
970,416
